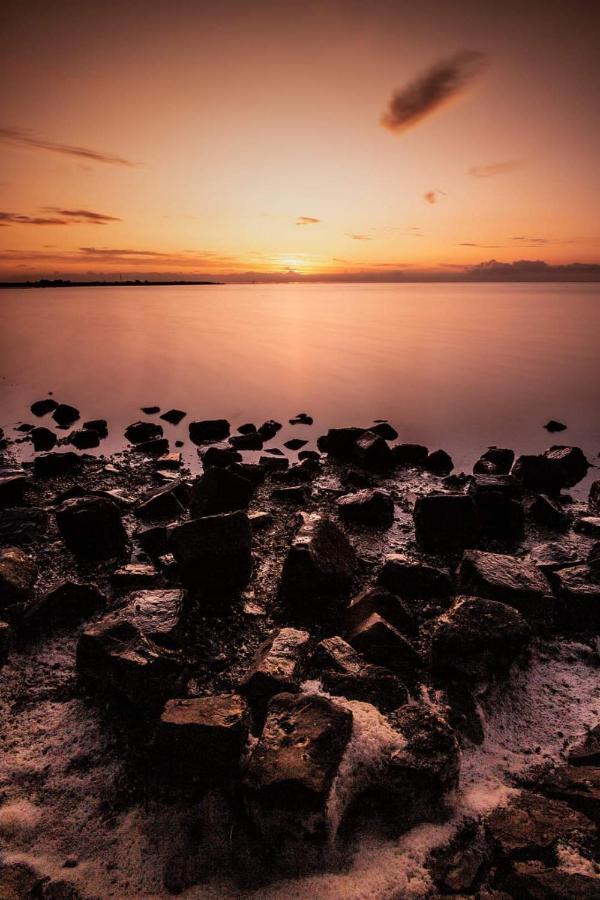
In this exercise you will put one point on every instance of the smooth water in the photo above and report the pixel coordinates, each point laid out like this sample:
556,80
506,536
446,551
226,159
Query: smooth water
454,366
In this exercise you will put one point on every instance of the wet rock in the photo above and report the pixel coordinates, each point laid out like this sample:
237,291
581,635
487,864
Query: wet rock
92,527
570,461
5,641
538,474
515,582
153,540
247,428
587,751
439,462
577,786
553,425
594,497
278,668
199,740
250,441
168,503
220,490
21,525
208,430
372,453
220,456
153,447
98,425
367,507
581,593
173,416
297,494
134,575
214,552
150,410
66,604
547,512
49,465
413,579
343,672
478,638
534,880
13,482
42,438
383,645
18,574
84,439
317,572
43,407
531,826
384,430
295,444
552,556
300,473
340,442
495,461
446,521
589,525
387,604
410,455
64,415
269,429
290,776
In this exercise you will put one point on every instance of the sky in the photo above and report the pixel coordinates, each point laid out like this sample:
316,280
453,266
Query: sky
299,140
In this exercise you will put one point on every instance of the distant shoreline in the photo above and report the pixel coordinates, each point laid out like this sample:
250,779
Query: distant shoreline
59,283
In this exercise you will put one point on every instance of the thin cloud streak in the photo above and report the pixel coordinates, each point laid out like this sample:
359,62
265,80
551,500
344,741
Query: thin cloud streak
499,168
432,90
61,217
307,220
359,237
17,137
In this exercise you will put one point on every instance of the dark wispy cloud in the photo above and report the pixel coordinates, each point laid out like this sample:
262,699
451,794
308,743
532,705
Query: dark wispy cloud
432,90
433,196
18,137
359,237
531,241
482,246
307,220
498,168
60,217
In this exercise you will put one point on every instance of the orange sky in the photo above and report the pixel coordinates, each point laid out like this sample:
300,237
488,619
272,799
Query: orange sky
245,139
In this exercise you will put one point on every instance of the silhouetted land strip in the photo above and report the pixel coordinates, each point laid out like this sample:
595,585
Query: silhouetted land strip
59,282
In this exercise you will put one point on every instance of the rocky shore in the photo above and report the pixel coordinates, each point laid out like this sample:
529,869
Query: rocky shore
288,652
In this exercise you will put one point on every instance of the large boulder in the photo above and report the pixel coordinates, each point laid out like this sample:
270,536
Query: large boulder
66,604
92,527
317,572
478,638
289,779
278,668
515,582
340,442
214,552
18,574
199,741
383,645
446,522
367,507
371,452
208,430
413,579
220,490
141,432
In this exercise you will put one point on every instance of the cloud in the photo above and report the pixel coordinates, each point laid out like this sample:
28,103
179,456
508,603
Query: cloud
61,217
482,246
18,137
432,90
531,241
499,168
307,220
432,196
359,237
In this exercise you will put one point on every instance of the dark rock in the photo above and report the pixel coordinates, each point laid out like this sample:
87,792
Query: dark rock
199,740
534,880
260,520
220,490
49,465
214,552
64,415
552,556
372,453
66,604
515,582
593,561
577,786
140,432
42,438
254,472
439,462
219,456
410,454
275,451
344,673
538,474
13,482
43,407
594,497
570,461
384,430
98,425
290,776
589,525
92,527
295,494
208,430
83,439
367,507
309,454
461,710
457,867
134,575
278,667
248,428
500,517
587,751
478,638
5,642
507,485
154,540
153,447
553,425
413,579
547,512
24,427
150,410
22,524
457,482
173,416
250,441
269,429
383,645
499,458
274,463
388,605
356,478
340,442
317,572
302,419
295,444
18,574
580,591
446,521
169,462
168,503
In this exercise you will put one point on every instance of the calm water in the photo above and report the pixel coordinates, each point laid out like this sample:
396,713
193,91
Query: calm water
456,366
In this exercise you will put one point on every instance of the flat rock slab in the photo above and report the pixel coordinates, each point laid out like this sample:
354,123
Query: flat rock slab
516,582
134,575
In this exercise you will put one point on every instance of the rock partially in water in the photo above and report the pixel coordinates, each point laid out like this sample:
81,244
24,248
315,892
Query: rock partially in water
250,441
208,430
18,574
274,463
553,425
173,416
372,453
98,425
43,407
92,527
495,461
538,474
223,456
247,428
140,432
64,415
220,490
269,429
570,462
384,430
214,552
478,638
154,447
515,582
84,439
367,507
42,438
65,605
278,668
446,522
340,442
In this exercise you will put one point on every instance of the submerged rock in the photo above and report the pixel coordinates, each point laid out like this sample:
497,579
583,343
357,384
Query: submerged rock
214,552
367,507
446,521
92,527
